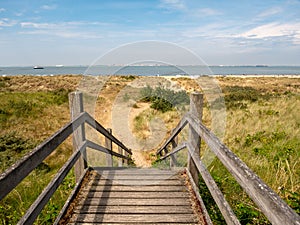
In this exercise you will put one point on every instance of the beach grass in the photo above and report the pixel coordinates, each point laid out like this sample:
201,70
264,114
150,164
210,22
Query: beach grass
262,128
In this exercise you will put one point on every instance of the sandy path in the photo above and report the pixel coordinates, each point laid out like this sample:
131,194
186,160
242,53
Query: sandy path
140,157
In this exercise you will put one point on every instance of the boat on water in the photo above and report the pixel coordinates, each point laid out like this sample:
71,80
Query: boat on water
38,67
59,66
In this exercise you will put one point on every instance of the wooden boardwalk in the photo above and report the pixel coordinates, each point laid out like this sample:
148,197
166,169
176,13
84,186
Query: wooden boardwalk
134,196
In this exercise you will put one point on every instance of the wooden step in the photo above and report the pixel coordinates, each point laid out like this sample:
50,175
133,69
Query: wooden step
134,196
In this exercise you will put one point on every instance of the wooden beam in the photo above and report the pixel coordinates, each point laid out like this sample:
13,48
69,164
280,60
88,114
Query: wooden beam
44,197
175,132
95,146
108,145
196,108
216,193
94,123
274,208
76,107
18,171
175,150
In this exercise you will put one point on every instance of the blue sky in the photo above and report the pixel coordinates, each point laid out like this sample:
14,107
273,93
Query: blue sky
49,32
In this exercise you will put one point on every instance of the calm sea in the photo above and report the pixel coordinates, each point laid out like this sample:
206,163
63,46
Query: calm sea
154,70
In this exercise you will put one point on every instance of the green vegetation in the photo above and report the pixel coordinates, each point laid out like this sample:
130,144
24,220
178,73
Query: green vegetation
263,129
23,119
163,99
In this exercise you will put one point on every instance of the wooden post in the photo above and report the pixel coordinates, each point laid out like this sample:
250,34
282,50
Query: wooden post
173,159
120,161
76,107
108,144
126,160
196,108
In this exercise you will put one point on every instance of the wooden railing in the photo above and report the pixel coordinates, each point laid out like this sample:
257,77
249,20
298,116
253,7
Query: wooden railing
272,206
16,173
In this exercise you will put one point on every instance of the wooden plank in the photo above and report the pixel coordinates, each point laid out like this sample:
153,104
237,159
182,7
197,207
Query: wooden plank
132,202
139,218
148,188
216,193
137,177
274,208
44,197
130,171
157,209
134,182
18,171
133,195
125,223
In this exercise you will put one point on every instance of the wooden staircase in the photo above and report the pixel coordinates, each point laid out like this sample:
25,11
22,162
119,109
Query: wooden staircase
134,196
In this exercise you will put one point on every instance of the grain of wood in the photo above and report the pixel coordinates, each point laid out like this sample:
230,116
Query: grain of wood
165,199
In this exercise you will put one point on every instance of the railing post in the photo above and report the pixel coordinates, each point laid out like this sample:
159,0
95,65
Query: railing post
196,108
76,107
173,158
120,161
108,145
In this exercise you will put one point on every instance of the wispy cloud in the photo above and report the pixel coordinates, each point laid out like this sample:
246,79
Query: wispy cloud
48,7
2,10
207,12
272,30
72,29
270,12
5,22
172,4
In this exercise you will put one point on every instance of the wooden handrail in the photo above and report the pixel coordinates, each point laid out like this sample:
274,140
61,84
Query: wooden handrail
17,172
272,206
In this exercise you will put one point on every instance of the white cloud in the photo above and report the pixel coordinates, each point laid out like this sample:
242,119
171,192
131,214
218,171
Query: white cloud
270,12
172,4
5,22
64,29
207,12
48,7
271,30
2,10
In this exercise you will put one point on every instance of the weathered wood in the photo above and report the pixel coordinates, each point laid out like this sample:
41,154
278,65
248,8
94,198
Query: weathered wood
175,132
76,107
18,171
133,195
108,145
94,123
70,199
216,193
135,182
44,197
135,218
197,193
175,150
95,146
196,108
274,208
130,202
157,209
173,159
140,188
120,161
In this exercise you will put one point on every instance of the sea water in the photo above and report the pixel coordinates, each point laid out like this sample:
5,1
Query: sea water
153,70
